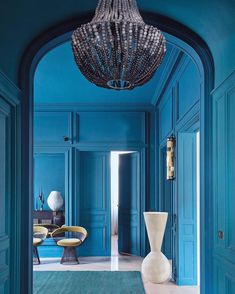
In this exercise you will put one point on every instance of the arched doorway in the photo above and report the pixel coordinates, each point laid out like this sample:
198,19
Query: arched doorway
181,37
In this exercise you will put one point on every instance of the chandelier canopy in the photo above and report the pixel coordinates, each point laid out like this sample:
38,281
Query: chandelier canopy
117,50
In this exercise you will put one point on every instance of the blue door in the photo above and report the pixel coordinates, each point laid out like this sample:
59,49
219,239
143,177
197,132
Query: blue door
187,210
93,182
129,204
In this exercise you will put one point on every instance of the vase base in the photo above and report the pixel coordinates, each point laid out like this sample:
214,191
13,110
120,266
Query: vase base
156,268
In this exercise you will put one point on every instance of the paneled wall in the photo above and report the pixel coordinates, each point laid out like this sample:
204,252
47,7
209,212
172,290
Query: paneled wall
5,229
177,113
72,155
88,127
181,99
9,195
94,200
224,186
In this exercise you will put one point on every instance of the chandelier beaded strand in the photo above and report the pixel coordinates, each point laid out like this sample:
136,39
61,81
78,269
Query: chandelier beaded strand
117,50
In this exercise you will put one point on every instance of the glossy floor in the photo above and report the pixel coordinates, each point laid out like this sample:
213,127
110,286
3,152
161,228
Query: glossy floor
114,263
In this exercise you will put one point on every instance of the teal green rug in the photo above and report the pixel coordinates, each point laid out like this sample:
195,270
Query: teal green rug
87,282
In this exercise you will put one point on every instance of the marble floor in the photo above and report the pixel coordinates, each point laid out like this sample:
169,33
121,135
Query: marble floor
116,262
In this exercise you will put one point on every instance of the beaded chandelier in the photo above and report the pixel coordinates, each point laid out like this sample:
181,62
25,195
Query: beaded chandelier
117,50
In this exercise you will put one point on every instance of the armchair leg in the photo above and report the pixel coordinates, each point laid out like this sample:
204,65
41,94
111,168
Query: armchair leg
36,259
69,256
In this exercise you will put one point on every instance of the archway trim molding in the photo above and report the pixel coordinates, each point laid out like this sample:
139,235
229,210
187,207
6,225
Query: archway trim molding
182,37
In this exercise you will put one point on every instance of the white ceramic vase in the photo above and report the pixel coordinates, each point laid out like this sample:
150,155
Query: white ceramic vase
55,200
156,267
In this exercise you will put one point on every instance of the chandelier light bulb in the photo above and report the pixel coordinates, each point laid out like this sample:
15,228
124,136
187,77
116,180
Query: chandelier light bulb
117,50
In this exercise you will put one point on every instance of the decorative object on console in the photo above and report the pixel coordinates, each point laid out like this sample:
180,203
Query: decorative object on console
58,218
55,201
156,267
117,50
41,199
170,163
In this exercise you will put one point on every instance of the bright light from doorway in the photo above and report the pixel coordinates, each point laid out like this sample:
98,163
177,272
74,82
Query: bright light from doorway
115,189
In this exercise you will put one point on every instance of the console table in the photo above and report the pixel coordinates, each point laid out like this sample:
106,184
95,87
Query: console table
48,217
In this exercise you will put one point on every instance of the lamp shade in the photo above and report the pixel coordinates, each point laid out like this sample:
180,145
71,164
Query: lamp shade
55,200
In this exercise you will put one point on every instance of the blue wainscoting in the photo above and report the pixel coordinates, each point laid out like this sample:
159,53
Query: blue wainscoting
224,186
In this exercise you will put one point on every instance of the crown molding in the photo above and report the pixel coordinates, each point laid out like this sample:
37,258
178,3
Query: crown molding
8,90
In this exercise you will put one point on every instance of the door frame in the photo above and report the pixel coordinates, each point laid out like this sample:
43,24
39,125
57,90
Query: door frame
52,37
141,200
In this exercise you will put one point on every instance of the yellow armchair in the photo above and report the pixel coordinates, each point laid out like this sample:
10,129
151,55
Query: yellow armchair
69,237
39,235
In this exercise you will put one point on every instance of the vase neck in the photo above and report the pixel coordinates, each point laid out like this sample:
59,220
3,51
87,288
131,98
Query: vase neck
155,224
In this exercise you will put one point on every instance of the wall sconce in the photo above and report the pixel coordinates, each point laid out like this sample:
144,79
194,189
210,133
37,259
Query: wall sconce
170,163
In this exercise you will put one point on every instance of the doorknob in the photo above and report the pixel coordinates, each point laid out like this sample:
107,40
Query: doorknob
220,234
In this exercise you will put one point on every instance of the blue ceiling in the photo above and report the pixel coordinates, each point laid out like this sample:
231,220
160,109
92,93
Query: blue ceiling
58,80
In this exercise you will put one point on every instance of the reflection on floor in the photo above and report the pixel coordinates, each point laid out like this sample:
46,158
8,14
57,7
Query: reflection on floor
114,263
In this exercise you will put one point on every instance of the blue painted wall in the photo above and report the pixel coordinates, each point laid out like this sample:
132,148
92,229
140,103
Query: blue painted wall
49,175
10,194
224,186
78,170
5,194
177,110
215,23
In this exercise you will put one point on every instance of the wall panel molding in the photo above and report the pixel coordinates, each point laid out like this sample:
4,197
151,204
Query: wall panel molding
92,107
223,98
167,75
10,186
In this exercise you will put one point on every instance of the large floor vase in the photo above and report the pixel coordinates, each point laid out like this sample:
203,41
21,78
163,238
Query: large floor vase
156,267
